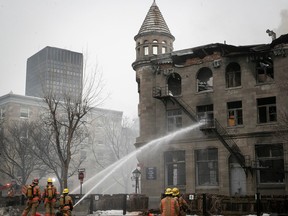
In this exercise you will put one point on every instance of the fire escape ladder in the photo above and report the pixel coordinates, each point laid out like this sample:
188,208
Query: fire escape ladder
209,125
230,145
185,107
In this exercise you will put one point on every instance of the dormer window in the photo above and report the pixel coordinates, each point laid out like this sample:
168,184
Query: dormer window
155,41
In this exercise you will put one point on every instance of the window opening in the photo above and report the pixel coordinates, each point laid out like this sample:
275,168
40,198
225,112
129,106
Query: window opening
2,113
155,50
24,112
175,166
205,114
174,84
264,70
204,80
270,161
146,50
233,75
164,50
174,120
267,111
235,115
207,167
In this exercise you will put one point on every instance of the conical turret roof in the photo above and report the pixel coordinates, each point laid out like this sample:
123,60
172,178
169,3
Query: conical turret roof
154,22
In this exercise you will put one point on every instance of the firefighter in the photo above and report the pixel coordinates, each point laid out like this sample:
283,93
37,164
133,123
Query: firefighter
33,195
49,197
66,203
168,205
183,206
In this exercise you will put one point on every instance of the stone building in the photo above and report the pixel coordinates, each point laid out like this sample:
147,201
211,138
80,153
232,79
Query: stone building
15,110
237,93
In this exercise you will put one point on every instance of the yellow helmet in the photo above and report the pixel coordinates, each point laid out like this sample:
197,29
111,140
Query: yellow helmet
65,191
49,180
175,191
168,191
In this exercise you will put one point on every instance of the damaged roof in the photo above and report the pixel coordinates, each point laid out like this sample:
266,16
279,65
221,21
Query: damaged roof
226,50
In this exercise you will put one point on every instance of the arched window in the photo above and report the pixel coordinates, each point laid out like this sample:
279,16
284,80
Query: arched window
164,48
146,48
204,79
174,84
233,75
155,49
264,70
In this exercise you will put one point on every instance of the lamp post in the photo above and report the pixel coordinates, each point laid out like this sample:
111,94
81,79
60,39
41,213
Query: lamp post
136,175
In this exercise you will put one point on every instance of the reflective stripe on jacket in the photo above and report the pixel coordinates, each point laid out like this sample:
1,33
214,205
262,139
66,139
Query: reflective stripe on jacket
169,207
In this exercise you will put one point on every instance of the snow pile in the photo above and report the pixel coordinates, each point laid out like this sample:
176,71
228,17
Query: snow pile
114,213
9,211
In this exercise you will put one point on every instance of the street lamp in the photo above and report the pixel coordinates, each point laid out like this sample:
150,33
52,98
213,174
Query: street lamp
81,178
136,175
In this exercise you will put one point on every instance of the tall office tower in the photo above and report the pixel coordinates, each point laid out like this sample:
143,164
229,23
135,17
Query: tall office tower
54,71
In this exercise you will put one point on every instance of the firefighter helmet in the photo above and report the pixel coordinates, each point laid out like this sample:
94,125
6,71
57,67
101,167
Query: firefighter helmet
65,191
50,180
168,191
35,181
175,191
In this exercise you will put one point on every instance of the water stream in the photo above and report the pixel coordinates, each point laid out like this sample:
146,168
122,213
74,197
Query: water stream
107,172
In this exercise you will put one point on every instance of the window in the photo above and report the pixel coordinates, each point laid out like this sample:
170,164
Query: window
174,84
264,70
24,112
174,120
233,75
24,135
235,116
205,114
155,50
146,50
2,113
207,167
164,48
267,110
175,173
270,161
204,79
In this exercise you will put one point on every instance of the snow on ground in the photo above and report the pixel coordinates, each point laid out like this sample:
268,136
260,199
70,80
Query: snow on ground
120,212
114,213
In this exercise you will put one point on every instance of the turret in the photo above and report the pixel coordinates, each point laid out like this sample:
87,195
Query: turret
153,38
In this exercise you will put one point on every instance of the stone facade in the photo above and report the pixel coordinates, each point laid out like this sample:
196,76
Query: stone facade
240,90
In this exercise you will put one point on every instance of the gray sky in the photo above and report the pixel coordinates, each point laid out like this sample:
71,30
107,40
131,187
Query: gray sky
105,30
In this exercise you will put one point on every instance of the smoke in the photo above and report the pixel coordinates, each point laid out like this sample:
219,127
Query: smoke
283,27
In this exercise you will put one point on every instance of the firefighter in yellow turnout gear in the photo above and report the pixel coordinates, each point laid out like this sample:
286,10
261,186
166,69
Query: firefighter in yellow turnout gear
49,196
66,203
33,195
183,206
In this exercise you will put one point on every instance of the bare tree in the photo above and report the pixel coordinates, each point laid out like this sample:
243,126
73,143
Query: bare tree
17,158
63,132
119,136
